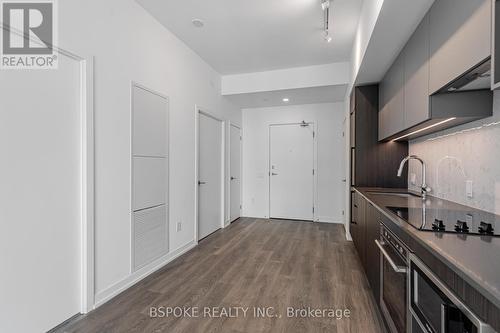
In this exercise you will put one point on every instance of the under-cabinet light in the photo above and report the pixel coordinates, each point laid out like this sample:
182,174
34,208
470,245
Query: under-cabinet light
424,129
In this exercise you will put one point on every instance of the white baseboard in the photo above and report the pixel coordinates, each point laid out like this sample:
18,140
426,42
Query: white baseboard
327,219
107,294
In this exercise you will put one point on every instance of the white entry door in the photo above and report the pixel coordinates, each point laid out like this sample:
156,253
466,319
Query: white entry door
40,197
235,172
210,208
291,171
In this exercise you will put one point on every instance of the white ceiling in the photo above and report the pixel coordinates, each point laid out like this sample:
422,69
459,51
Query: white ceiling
242,36
326,94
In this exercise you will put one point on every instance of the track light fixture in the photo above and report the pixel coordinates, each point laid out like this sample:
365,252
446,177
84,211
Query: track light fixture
325,5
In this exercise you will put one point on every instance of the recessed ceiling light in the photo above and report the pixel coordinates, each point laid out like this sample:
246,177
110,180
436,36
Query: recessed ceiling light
286,100
198,23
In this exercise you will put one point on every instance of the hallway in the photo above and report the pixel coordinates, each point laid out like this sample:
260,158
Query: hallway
253,263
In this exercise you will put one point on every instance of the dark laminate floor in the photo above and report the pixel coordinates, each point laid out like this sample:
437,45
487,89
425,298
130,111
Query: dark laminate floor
252,263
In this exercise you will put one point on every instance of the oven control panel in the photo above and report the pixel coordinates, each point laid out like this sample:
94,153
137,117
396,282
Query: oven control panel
388,237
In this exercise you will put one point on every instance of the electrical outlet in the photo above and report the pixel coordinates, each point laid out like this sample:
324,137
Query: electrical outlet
413,178
468,188
179,226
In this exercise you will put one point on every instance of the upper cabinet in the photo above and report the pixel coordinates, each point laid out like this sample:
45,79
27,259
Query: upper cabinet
460,37
391,100
416,73
425,88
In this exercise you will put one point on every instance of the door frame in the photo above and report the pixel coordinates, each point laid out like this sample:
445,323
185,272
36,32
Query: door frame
315,166
229,168
200,110
87,171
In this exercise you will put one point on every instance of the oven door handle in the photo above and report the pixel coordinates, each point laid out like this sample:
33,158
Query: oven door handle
396,268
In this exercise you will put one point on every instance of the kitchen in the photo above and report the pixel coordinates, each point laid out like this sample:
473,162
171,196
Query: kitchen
423,216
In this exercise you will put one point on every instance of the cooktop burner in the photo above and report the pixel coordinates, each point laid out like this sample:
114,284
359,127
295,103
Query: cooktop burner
450,221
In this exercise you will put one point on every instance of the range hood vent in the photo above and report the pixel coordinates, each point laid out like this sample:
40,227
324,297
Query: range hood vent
477,78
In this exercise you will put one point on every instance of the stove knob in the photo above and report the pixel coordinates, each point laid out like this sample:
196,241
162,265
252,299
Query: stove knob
461,226
486,228
438,225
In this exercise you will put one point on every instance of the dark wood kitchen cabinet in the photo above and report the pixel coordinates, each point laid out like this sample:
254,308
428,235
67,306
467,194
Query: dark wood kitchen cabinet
373,163
365,229
357,227
372,268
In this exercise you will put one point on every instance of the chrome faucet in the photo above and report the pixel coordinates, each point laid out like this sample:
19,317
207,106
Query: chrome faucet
424,188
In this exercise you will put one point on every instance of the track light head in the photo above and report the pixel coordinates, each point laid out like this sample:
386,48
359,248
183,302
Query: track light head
327,37
325,4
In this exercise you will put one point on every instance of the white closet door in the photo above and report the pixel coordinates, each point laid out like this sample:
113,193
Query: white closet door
291,172
150,176
235,173
209,175
40,197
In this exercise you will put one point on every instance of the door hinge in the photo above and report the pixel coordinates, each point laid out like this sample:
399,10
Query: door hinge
314,134
313,210
313,172
241,138
241,207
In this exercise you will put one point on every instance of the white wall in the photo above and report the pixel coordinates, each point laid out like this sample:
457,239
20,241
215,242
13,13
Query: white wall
329,119
467,152
128,44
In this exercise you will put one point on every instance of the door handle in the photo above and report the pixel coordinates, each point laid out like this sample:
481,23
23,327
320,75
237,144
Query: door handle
274,174
201,183
396,268
233,178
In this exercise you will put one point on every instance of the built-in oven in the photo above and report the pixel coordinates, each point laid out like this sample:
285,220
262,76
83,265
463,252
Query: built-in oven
434,308
393,280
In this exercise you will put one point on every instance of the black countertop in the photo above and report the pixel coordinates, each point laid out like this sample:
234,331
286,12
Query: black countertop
474,258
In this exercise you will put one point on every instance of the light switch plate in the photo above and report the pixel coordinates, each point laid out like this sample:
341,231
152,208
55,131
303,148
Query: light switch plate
179,226
468,188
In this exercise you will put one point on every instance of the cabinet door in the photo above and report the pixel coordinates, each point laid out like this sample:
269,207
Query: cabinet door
354,217
391,116
358,226
416,73
372,252
460,37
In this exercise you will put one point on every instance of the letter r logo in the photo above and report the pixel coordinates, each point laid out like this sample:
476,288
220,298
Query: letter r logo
30,27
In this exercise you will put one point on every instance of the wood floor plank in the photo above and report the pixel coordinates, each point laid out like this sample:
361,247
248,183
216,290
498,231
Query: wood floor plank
254,264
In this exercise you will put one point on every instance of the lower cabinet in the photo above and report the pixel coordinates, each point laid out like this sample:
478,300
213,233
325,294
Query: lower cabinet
372,268
358,229
365,229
